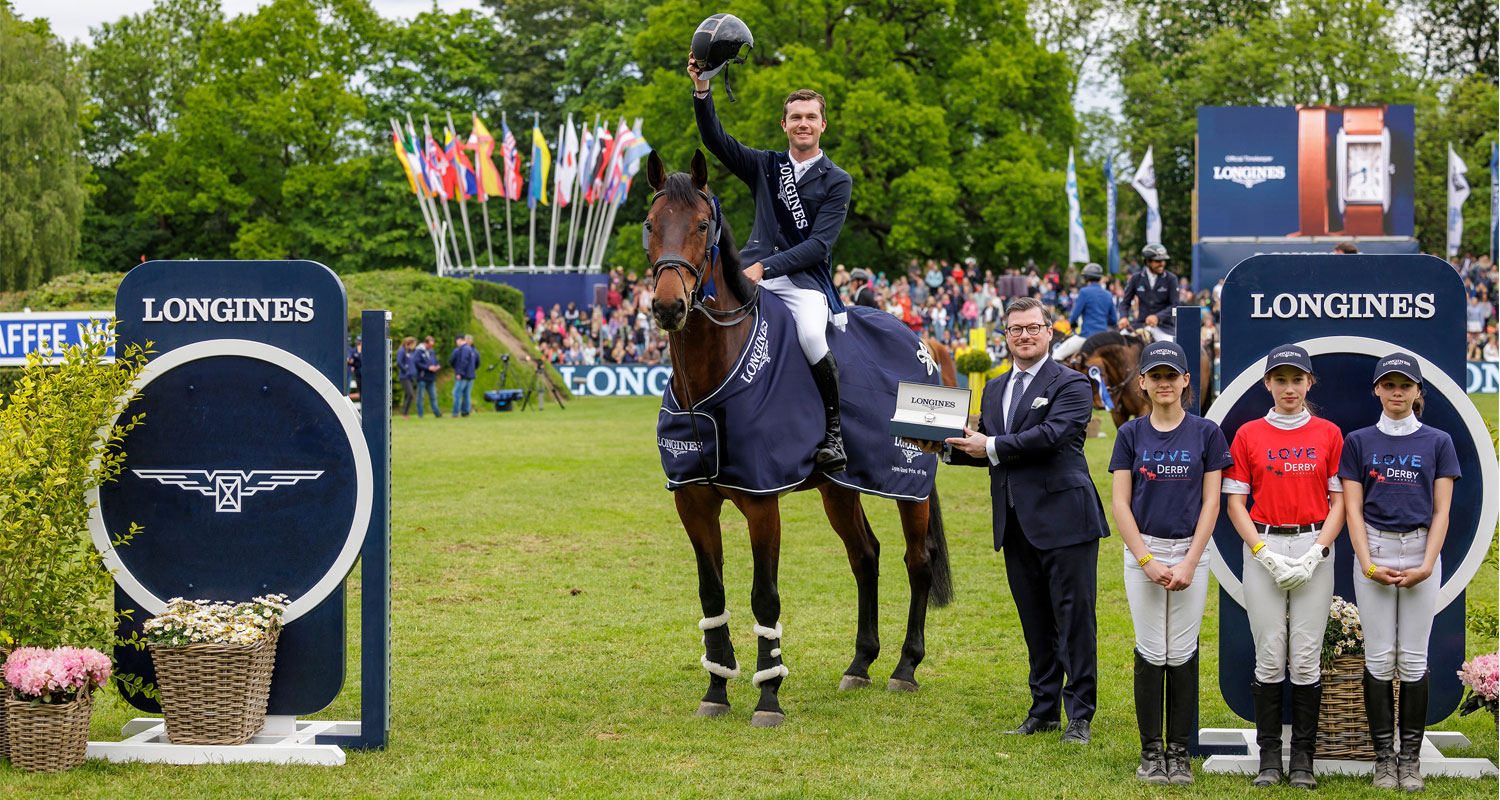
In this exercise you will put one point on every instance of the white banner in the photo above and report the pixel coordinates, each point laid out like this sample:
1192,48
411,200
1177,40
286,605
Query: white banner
1145,183
1078,245
1458,192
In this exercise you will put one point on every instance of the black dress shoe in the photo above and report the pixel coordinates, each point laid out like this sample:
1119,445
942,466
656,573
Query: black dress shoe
1077,732
1033,725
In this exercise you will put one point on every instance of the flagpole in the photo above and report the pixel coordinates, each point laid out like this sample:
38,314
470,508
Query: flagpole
438,230
463,211
577,199
457,253
562,147
484,201
426,220
585,182
510,246
601,236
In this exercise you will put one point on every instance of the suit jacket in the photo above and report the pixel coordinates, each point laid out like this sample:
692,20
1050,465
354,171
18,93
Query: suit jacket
824,191
1042,462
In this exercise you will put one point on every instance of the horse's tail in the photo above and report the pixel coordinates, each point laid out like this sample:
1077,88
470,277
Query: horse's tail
937,553
947,370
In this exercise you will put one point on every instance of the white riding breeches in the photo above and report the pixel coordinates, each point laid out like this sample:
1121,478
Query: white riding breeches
1166,623
1288,626
1069,348
1392,617
1161,335
809,309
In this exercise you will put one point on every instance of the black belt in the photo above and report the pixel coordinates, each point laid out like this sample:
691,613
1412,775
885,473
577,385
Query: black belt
1287,530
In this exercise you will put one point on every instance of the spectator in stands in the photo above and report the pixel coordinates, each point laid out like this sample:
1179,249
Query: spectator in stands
840,276
427,369
1479,312
406,373
1345,248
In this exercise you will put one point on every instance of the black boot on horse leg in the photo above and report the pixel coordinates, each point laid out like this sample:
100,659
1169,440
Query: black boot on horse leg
699,509
718,659
830,456
769,672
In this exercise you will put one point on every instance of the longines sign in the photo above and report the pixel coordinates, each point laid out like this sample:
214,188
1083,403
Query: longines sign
227,309
1344,305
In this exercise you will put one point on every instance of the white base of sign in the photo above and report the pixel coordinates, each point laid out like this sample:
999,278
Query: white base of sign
1434,763
284,740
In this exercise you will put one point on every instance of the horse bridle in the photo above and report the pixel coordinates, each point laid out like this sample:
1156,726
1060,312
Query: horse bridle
677,263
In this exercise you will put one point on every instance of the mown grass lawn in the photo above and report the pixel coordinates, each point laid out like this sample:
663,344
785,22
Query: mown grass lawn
545,645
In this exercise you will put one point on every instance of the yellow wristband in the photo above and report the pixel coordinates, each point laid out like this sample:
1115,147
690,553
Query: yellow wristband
1256,549
1370,573
1141,562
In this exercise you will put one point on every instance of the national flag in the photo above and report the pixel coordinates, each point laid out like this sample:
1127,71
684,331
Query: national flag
585,158
567,164
467,181
439,169
411,178
1078,244
414,152
541,162
1458,192
604,145
632,160
1145,184
1111,235
615,181
510,163
483,145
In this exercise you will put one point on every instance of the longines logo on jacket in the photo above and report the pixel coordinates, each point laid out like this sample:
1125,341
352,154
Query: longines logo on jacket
228,486
228,309
760,354
677,446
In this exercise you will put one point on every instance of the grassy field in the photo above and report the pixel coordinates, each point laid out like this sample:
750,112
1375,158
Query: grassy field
545,646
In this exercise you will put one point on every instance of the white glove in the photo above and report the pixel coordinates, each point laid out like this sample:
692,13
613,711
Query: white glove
1279,567
1313,557
1298,573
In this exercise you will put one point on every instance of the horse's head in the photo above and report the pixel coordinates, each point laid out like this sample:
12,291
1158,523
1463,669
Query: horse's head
679,234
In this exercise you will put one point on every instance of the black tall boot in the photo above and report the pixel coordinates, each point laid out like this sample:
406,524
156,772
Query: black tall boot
1380,711
1182,707
1148,707
1268,731
1413,726
1307,701
830,456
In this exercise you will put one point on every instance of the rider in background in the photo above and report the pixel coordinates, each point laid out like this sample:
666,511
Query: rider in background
1154,291
1093,312
801,200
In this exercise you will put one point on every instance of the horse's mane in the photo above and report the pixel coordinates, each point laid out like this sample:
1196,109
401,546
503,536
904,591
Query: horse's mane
1103,339
679,188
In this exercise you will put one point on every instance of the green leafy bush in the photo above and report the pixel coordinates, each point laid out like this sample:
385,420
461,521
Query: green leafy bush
972,361
421,304
504,295
76,291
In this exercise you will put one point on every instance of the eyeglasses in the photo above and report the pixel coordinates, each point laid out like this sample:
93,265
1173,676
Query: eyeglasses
1030,330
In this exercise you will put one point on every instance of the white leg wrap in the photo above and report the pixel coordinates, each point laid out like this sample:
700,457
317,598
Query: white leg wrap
776,652
727,673
767,633
778,671
708,623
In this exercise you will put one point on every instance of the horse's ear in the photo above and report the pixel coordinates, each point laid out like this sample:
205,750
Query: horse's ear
656,172
700,170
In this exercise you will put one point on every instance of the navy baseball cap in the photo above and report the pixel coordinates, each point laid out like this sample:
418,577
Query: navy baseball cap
1164,354
1404,363
1289,355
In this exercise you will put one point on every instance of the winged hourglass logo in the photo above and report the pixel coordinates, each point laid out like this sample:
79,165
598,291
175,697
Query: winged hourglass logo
228,486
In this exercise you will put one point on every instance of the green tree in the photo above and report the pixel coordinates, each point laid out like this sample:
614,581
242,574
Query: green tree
1465,117
43,173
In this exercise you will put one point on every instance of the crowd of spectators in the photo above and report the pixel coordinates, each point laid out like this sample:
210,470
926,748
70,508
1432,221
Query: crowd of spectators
936,297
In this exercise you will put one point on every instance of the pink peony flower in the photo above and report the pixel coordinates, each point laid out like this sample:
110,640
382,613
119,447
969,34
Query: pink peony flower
1482,674
35,672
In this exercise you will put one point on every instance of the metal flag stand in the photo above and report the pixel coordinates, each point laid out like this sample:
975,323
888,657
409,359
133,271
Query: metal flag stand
287,739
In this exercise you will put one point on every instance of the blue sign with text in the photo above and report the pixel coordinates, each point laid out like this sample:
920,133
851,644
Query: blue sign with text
27,332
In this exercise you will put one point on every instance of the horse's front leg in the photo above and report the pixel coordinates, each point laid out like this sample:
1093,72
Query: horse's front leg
699,509
763,514
914,517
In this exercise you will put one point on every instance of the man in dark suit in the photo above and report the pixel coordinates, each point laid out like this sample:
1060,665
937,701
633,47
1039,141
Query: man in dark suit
1047,516
801,199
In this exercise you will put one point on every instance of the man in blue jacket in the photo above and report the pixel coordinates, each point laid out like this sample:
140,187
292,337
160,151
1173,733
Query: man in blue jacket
1095,309
465,362
801,199
427,369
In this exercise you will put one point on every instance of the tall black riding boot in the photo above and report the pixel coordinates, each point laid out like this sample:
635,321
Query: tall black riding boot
1413,726
1380,712
1148,707
1268,731
1182,707
1307,701
830,456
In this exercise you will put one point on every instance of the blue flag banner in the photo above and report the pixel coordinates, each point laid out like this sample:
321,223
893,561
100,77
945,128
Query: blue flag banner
1111,236
1494,197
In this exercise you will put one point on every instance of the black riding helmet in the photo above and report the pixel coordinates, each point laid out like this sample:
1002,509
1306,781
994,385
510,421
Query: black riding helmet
717,43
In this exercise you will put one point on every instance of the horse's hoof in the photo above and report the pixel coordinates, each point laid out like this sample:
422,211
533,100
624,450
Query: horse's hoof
853,682
712,710
898,685
767,719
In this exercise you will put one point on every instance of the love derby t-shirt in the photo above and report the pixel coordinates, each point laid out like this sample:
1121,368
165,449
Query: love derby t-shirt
1166,471
1288,470
1397,473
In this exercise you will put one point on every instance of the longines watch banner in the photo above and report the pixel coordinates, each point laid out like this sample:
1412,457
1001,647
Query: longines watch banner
1306,171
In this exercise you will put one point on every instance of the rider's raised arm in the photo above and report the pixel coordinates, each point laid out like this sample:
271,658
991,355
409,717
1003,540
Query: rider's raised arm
743,161
826,224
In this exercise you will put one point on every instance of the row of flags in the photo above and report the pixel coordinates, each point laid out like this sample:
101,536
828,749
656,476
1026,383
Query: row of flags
1144,182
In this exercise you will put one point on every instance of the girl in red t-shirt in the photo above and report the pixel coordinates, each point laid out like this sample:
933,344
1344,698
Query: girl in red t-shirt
1287,463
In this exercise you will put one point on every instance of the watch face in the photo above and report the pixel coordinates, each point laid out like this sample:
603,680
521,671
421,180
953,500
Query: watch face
1364,173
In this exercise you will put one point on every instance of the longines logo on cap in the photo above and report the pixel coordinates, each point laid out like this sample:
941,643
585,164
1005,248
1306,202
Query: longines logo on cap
228,309
1397,362
228,486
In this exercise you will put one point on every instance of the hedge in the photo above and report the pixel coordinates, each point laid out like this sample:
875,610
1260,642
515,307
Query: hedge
421,304
504,295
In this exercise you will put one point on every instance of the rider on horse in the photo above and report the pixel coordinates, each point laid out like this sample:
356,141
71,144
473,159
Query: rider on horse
1154,291
801,199
1093,312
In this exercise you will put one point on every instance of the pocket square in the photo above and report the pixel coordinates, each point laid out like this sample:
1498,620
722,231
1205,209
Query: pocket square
1039,402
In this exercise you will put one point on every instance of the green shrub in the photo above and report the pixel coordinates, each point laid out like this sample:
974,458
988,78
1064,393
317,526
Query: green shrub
504,295
972,361
421,304
76,291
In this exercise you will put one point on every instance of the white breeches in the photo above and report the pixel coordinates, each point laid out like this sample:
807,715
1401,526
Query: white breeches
1166,623
1069,347
809,309
1161,335
1288,626
1391,617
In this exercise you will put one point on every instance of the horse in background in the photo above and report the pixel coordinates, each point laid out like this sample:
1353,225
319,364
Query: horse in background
689,247
1117,357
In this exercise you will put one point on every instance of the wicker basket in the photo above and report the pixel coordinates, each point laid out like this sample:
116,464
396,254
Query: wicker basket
1343,728
215,693
48,738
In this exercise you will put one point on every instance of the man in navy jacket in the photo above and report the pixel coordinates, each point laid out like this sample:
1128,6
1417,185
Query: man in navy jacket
1047,516
465,362
801,199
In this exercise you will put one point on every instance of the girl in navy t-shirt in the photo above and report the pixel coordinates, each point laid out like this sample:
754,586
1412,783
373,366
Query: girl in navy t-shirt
1166,500
1398,480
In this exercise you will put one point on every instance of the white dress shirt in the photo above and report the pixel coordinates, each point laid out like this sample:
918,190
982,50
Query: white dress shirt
800,168
1005,401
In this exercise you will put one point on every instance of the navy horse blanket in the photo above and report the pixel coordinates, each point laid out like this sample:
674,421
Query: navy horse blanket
757,431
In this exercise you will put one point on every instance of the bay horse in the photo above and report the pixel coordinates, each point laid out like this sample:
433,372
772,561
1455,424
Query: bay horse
706,335
1118,356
